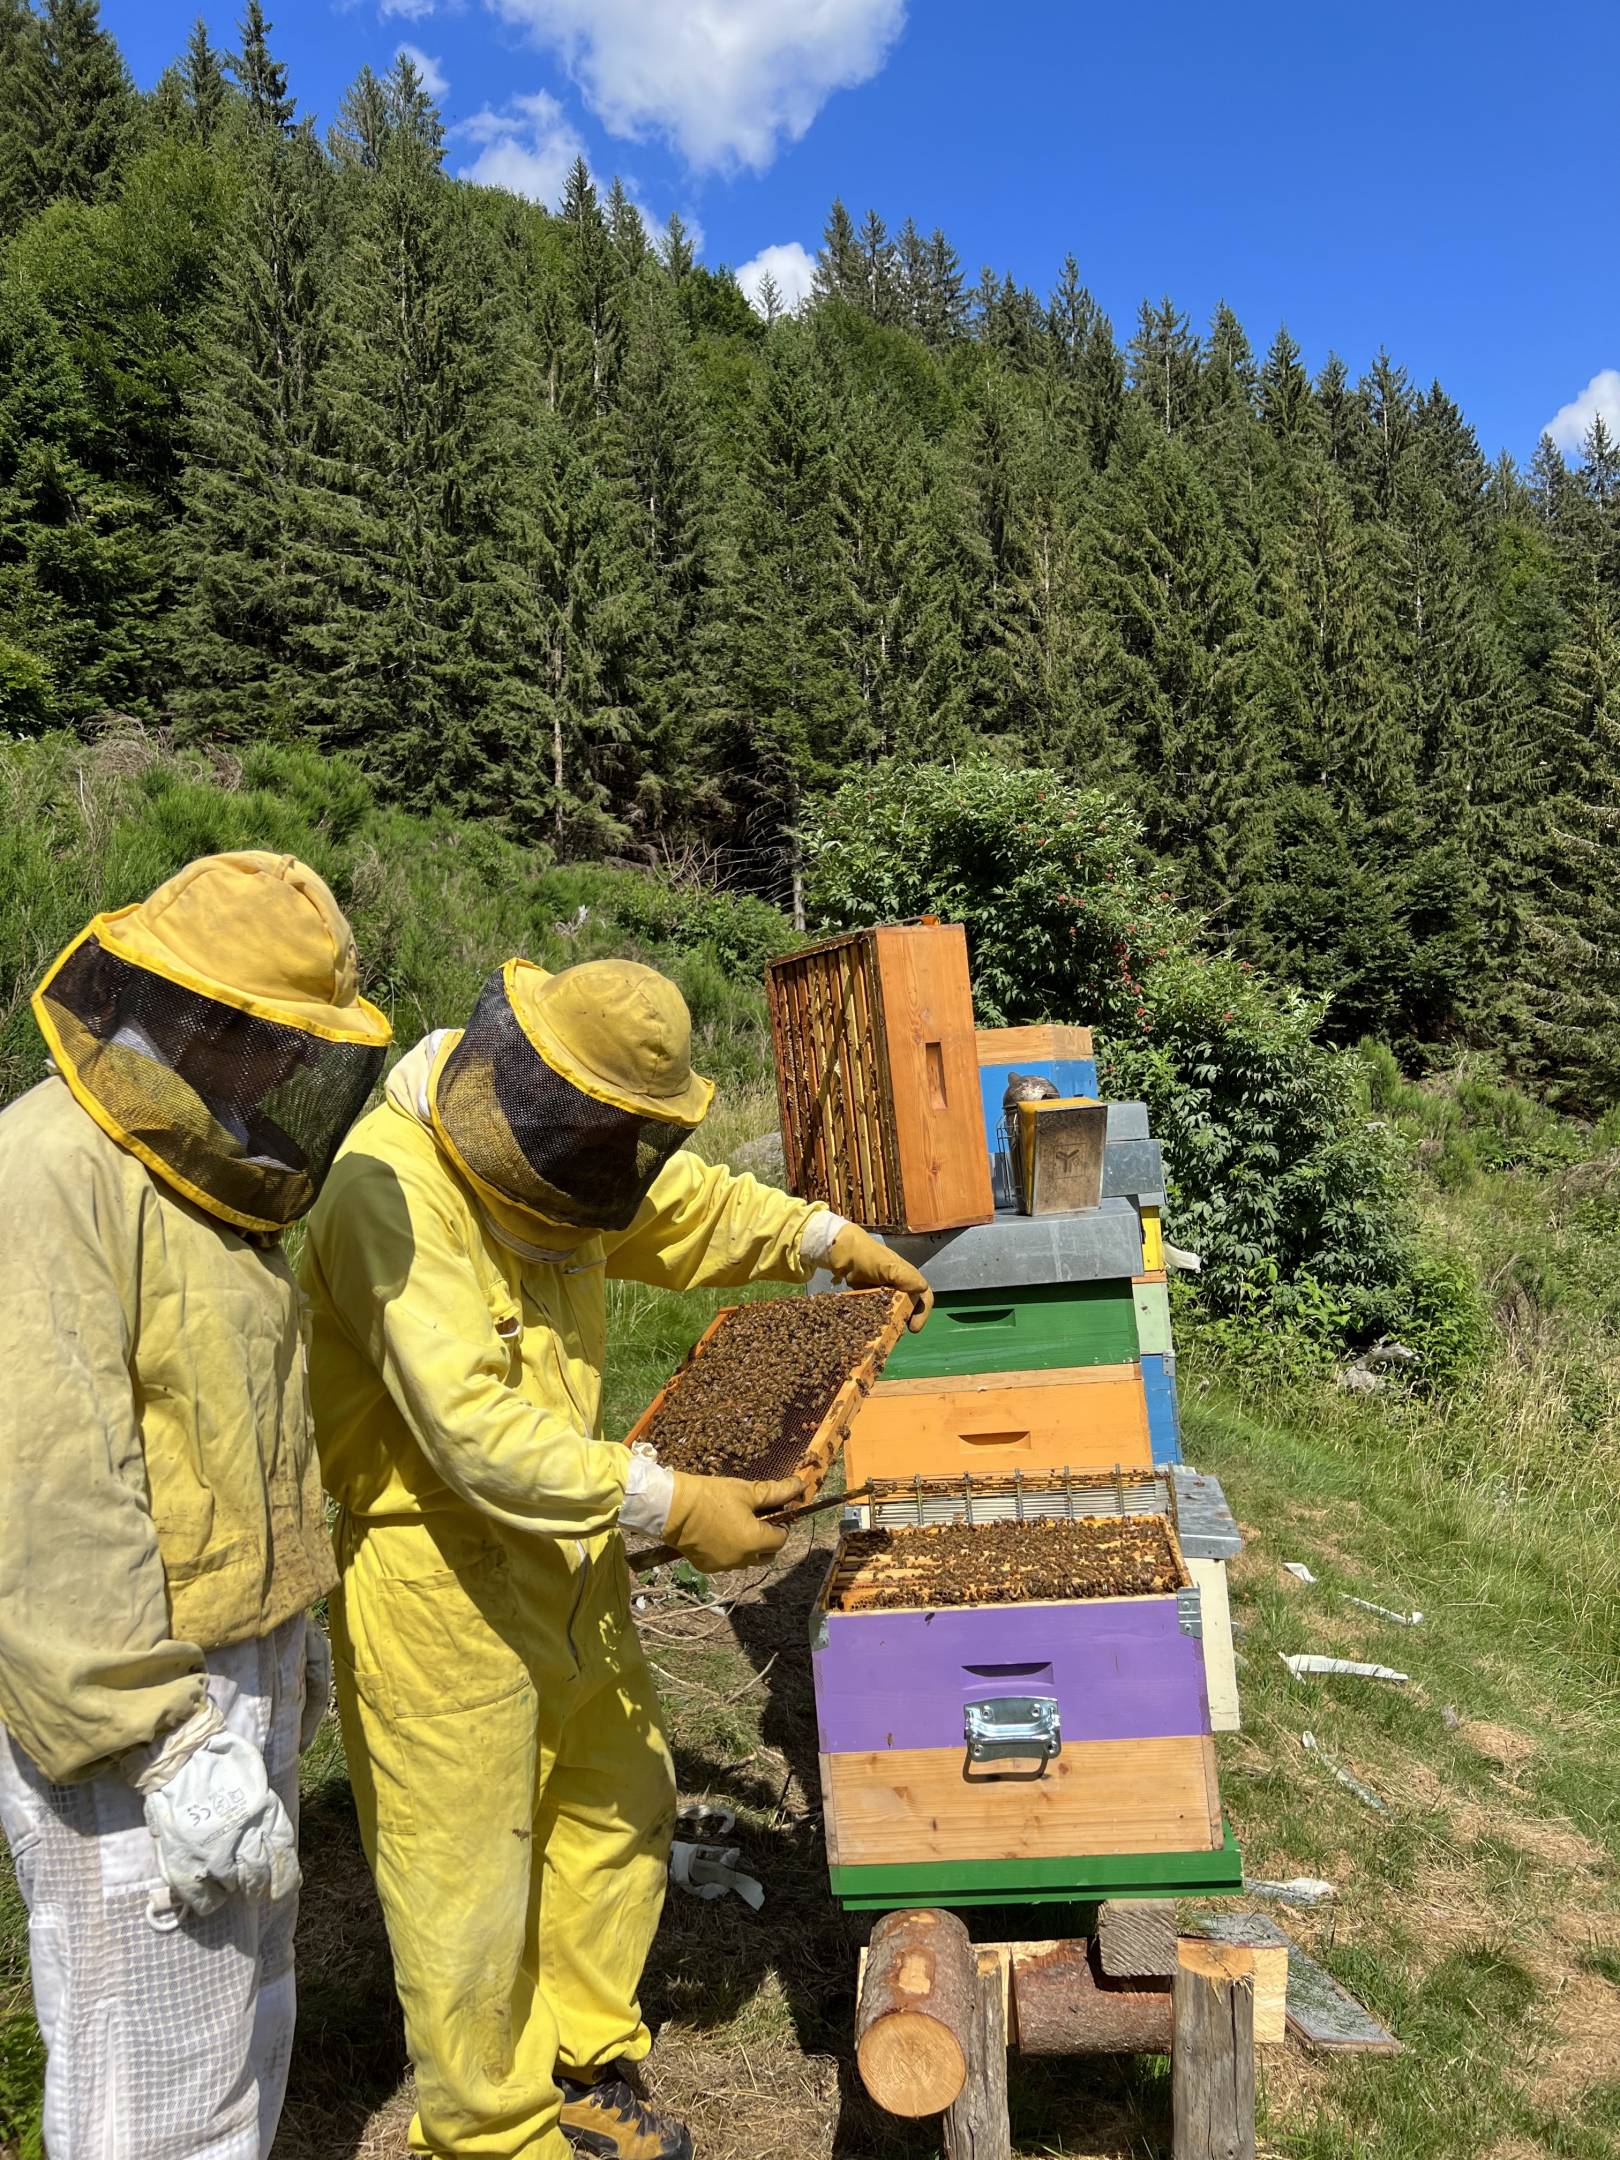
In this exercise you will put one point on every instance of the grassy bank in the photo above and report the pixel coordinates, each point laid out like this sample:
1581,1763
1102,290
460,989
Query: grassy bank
1477,1911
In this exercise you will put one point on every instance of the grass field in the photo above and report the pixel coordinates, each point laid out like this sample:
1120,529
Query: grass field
1478,1914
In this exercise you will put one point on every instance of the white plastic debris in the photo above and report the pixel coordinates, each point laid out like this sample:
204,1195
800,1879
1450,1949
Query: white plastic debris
1401,1619
1299,1571
1306,1890
711,1871
1185,1263
1304,1666
1351,1783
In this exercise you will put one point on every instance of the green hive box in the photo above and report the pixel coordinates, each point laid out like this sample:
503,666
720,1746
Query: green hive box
1041,1882
1035,1329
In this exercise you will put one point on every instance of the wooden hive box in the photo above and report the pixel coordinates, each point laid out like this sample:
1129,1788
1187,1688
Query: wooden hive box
1084,1417
1061,1145
878,1078
1047,1051
1126,1803
1031,1329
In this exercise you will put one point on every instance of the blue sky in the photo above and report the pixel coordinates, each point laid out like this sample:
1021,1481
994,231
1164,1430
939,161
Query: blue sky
1441,180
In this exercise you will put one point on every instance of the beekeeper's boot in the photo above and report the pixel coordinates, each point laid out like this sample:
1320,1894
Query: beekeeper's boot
610,2121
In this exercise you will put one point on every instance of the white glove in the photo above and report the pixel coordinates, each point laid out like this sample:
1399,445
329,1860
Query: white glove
317,1683
217,1825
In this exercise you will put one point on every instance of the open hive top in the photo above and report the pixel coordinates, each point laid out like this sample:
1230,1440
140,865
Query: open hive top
1041,1561
770,1389
1022,1496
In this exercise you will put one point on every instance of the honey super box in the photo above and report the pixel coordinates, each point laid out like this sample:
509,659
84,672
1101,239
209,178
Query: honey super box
1020,1752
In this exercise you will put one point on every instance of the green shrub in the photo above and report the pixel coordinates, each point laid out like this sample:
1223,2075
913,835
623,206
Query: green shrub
1295,1197
1063,911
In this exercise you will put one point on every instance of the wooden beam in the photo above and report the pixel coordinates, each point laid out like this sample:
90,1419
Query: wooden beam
976,2125
1060,2008
1212,2062
1136,1938
914,2021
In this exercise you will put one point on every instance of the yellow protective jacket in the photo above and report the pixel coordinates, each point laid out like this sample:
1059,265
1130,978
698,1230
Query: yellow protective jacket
448,1370
159,1495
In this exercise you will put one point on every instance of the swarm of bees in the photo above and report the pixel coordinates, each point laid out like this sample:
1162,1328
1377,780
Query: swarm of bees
1049,1560
751,1401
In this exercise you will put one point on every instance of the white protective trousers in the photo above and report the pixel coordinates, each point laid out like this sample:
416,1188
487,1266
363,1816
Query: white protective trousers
160,2045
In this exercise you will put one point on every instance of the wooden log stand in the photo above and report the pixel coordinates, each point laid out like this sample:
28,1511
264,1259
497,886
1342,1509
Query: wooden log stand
914,2026
937,2016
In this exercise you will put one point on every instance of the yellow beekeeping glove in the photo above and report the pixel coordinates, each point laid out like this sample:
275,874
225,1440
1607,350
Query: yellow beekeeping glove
714,1521
856,1257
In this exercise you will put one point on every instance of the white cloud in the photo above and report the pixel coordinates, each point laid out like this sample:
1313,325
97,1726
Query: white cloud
727,81
1599,400
792,266
434,80
527,147
411,10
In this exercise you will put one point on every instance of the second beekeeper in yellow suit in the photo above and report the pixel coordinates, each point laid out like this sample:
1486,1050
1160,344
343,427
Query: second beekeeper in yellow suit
161,1528
515,1790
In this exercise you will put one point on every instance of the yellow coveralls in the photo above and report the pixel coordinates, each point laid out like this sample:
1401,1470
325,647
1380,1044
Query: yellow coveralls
503,1732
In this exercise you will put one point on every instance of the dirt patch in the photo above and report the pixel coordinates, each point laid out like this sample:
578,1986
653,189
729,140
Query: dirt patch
1587,2014
743,2100
1498,1743
1555,1843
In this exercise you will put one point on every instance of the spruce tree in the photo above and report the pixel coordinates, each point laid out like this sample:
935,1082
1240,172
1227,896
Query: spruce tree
1174,639
1572,989
419,387
262,77
840,266
788,712
260,628
594,283
1164,364
207,89
70,107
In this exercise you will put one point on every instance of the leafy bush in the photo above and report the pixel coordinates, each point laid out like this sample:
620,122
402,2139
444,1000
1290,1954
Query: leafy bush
1064,913
1294,1199
1293,1195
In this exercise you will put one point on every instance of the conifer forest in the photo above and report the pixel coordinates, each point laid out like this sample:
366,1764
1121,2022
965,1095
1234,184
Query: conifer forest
304,441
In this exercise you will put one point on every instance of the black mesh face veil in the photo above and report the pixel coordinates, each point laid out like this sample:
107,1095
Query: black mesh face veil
534,1138
243,1114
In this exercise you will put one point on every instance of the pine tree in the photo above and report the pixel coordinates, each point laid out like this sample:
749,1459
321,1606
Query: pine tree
677,251
1172,680
789,714
1286,406
419,386
360,134
207,90
70,108
625,227
594,284
943,312
1573,987
769,301
880,293
1164,364
840,265
261,630
78,573
263,78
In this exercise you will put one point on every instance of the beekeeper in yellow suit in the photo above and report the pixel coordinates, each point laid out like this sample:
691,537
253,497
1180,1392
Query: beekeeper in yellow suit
504,1738
161,1526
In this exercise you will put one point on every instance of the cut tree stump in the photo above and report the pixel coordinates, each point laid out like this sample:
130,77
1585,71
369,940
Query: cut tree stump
914,2024
1136,1938
976,2125
1212,2062
1061,2009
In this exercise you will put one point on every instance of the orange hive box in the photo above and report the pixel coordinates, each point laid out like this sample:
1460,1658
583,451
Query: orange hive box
878,1078
1081,1417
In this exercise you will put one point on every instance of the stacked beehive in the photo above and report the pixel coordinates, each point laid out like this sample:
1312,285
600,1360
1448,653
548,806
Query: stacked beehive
1049,1356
